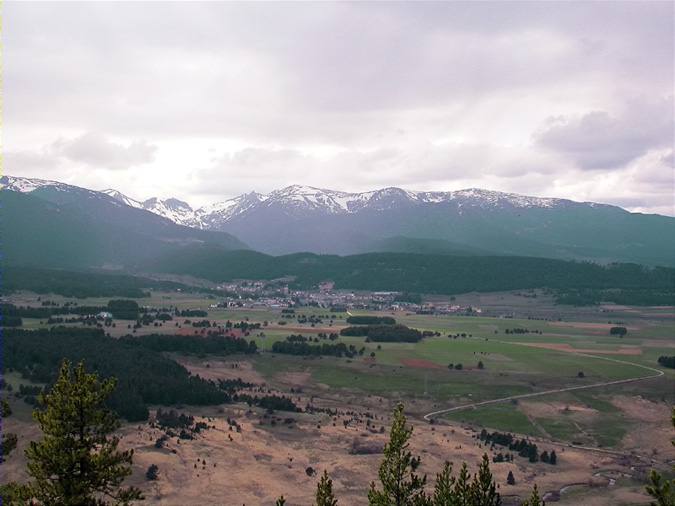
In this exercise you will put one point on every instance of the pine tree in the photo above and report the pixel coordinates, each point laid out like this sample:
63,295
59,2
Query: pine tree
5,409
534,499
510,479
324,492
152,472
443,491
553,458
77,463
483,488
13,494
280,502
400,485
662,490
462,489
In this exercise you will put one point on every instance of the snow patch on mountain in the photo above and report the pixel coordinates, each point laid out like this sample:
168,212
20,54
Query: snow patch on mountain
303,198
175,210
120,197
27,185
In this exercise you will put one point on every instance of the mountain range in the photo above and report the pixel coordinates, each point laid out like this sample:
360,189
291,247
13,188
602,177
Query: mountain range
51,224
465,222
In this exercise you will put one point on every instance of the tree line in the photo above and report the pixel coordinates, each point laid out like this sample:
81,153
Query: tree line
371,320
667,361
192,345
294,347
418,273
83,284
144,375
384,333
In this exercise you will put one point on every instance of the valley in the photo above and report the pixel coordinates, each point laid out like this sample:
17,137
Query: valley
606,438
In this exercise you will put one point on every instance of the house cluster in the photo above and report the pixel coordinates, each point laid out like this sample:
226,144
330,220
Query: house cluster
276,294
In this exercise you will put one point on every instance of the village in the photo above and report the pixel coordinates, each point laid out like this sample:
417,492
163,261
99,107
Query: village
276,294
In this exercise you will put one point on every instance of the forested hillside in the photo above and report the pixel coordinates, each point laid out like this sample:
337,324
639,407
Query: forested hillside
442,274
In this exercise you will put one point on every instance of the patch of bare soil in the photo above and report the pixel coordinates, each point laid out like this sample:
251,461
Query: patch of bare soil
420,363
655,432
307,330
294,378
265,460
222,369
658,343
587,325
642,409
623,350
555,409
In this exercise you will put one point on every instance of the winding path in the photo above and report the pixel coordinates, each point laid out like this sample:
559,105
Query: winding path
656,374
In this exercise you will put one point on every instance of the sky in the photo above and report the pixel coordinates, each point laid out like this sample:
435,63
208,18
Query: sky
205,101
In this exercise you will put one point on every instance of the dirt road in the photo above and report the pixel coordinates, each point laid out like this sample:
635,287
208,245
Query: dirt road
655,374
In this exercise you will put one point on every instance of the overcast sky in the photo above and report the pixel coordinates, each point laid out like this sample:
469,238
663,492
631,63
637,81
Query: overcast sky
207,101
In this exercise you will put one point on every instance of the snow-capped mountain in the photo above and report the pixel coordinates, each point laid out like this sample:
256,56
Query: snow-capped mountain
303,218
173,209
301,199
120,197
176,210
27,185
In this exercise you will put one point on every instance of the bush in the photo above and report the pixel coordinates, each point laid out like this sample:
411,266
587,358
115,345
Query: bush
151,473
124,309
371,320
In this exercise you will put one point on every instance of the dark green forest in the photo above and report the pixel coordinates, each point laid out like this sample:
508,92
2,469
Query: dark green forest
416,273
144,375
81,284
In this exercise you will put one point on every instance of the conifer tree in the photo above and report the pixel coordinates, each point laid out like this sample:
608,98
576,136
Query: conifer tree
483,488
510,479
663,490
324,492
553,458
400,486
534,499
77,463
462,489
443,491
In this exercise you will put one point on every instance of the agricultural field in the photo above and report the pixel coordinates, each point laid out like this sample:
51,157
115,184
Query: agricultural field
607,435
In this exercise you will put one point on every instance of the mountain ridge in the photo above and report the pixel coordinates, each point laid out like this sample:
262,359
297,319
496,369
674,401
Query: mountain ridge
303,218
329,200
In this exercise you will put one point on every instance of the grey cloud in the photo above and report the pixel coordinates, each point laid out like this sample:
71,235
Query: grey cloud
599,140
424,166
97,151
377,82
16,162
324,71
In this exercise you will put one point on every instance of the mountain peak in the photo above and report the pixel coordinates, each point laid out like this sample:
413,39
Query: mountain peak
121,197
26,184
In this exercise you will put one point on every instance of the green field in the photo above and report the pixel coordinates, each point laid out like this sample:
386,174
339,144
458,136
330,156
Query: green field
419,372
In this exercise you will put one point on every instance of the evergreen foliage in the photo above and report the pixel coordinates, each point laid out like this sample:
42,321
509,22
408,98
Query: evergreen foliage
660,488
144,376
324,492
77,463
483,487
534,499
400,485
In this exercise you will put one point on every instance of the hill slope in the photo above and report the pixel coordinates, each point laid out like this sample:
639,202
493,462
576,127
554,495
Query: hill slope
424,273
301,218
77,228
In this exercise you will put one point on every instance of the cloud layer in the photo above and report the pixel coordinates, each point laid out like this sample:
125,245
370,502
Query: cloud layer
207,100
